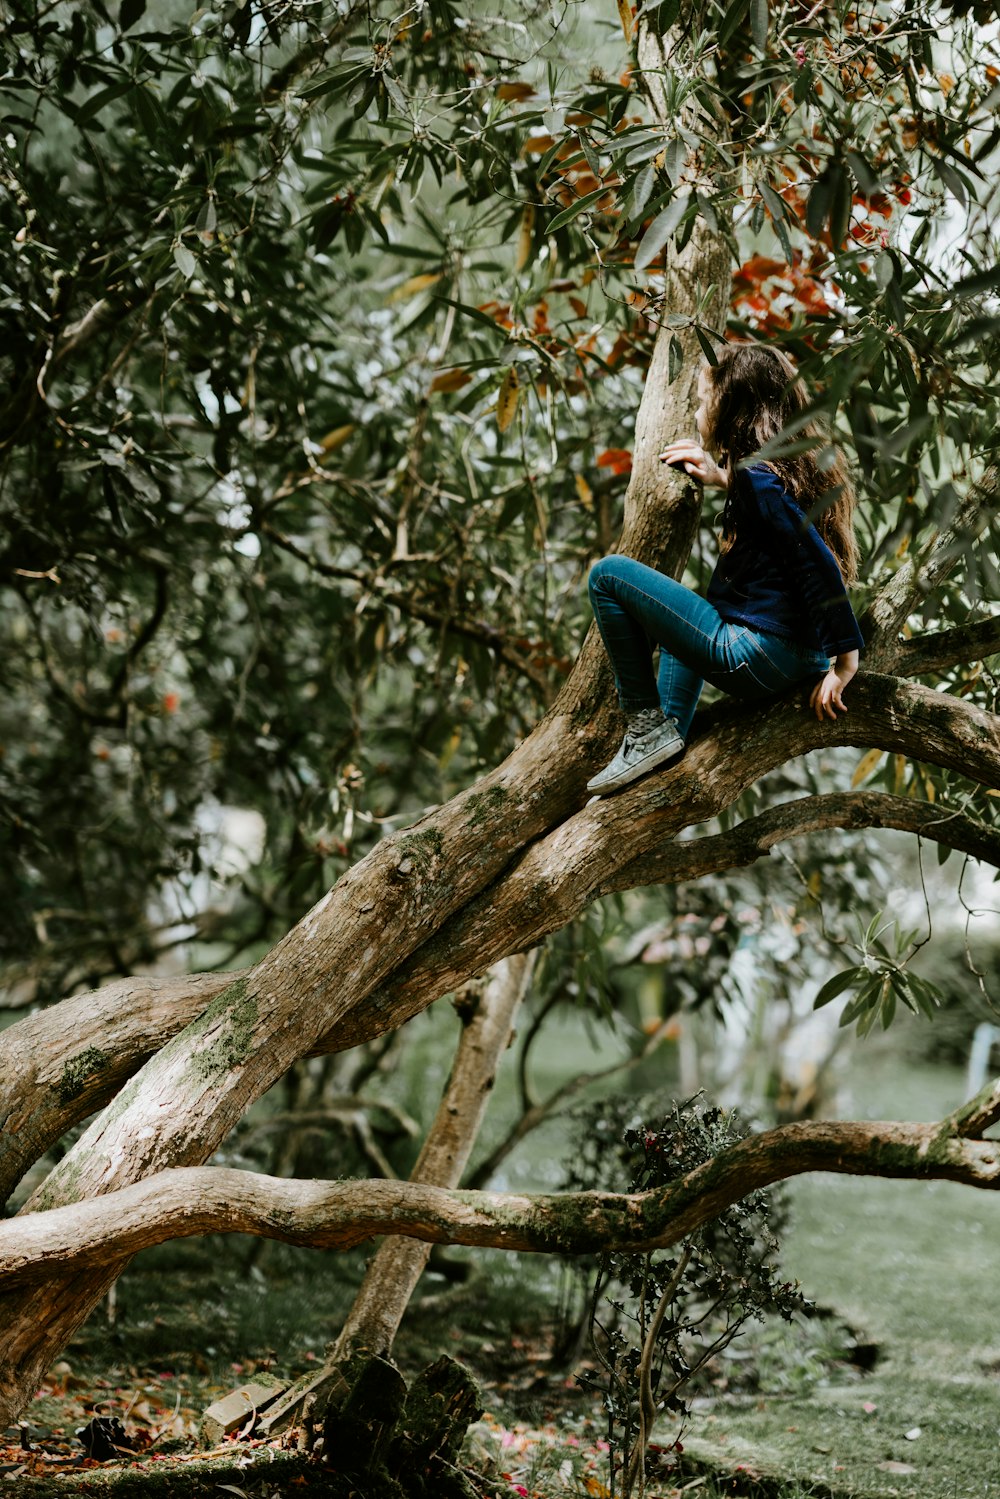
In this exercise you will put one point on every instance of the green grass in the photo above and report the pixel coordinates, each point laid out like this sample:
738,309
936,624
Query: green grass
911,1267
915,1268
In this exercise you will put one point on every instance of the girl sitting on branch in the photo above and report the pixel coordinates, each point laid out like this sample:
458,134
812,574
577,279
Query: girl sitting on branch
776,610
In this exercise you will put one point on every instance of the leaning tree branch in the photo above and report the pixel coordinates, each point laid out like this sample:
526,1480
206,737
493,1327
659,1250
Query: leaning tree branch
974,1118
62,1064
920,575
182,1202
565,870
926,654
753,839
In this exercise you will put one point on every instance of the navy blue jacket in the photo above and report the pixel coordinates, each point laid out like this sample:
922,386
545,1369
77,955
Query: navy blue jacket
779,576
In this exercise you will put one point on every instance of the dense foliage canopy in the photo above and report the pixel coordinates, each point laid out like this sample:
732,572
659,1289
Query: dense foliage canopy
324,325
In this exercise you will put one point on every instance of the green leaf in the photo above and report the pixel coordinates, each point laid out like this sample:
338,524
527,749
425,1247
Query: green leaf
580,206
758,23
659,231
472,312
91,108
734,15
840,205
131,11
675,358
866,179
184,261
968,286
707,346
819,204
835,986
642,187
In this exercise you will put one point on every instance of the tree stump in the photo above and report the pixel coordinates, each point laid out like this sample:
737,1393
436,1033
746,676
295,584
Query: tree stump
403,1444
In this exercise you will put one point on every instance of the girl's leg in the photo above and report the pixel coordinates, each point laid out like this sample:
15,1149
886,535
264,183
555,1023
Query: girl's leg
636,606
629,647
679,688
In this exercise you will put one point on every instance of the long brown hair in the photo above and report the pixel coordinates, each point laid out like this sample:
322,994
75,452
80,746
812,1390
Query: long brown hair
755,392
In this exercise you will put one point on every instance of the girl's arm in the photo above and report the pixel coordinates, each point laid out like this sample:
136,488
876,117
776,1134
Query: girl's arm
826,697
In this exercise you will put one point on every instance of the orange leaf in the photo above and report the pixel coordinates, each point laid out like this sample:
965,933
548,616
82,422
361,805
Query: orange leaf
450,380
413,285
618,460
336,439
516,91
507,399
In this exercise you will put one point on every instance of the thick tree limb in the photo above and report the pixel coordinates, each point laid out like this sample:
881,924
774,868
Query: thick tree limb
183,1202
562,872
620,843
65,1062
925,654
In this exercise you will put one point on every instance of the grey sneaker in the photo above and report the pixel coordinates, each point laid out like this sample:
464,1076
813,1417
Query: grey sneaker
650,740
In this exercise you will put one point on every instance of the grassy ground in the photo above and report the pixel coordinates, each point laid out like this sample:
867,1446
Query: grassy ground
915,1268
912,1268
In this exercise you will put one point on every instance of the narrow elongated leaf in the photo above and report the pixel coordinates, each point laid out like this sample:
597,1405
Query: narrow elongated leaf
508,398
758,23
734,15
659,232
835,986
840,204
473,312
866,765
818,206
580,206
92,107
642,187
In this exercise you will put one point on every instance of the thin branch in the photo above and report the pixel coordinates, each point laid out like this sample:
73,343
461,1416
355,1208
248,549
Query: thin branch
183,1202
751,840
926,654
647,1404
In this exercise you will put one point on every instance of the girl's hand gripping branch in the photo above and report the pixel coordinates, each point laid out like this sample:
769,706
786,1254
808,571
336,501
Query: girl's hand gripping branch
826,697
692,459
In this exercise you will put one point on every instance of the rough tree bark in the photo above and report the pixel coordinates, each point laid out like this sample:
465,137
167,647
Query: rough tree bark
182,1202
179,1107
486,875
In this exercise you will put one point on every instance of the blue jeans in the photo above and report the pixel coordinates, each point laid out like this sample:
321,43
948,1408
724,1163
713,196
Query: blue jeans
637,607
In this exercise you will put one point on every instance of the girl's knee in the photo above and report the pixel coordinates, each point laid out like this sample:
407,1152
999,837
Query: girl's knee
604,570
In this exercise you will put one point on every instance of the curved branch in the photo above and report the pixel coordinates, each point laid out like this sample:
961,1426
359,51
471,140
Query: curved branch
616,844
185,1201
65,1062
587,854
751,840
937,652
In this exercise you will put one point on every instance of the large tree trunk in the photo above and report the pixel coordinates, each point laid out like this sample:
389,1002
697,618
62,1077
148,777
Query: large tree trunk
395,1268
182,1104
